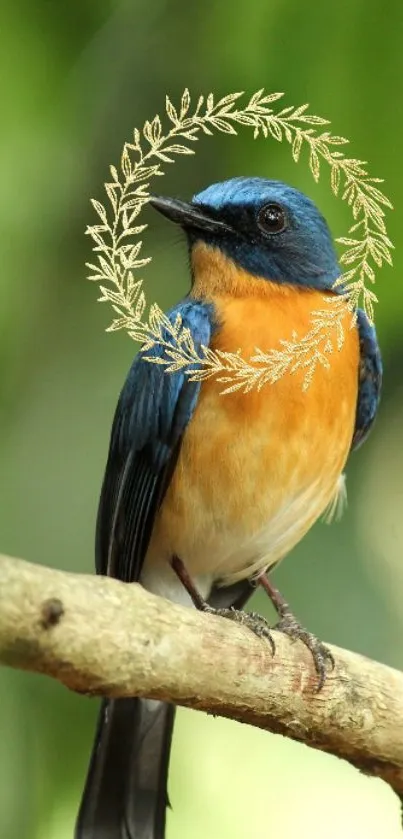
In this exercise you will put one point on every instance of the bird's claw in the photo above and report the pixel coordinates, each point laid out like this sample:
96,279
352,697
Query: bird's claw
255,622
288,625
322,657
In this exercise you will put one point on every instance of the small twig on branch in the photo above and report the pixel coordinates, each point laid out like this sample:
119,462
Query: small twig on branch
102,637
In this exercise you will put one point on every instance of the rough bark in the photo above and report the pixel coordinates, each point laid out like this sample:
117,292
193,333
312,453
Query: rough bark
99,636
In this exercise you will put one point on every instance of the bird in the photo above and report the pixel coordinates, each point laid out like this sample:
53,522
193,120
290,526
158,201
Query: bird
204,493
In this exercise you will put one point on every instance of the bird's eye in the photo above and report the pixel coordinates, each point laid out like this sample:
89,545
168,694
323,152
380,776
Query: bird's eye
272,218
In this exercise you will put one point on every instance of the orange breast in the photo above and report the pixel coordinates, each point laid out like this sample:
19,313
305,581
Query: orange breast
257,469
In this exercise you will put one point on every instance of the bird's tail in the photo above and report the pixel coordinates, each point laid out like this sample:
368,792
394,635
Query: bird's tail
125,793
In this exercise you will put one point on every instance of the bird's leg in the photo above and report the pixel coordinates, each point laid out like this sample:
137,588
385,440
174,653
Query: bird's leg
183,575
256,623
288,624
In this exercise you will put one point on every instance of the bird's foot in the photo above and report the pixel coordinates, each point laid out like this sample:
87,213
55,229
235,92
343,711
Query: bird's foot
288,625
322,657
256,623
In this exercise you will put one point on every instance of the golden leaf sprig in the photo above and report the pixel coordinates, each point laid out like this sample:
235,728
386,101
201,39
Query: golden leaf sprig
118,250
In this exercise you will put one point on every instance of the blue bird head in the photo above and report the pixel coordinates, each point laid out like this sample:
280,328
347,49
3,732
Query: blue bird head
267,228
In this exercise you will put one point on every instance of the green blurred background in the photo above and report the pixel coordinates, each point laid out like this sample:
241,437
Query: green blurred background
75,78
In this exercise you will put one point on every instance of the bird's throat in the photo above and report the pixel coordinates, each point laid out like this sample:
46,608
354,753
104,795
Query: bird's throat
214,273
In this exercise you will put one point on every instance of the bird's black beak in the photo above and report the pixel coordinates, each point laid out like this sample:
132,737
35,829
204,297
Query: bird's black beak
189,216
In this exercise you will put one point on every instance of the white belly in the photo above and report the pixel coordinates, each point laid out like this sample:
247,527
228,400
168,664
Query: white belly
222,557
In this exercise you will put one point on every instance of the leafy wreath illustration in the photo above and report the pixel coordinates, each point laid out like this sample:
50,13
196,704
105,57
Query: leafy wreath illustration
118,258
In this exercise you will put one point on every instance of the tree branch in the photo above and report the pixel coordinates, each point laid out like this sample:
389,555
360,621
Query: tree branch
100,636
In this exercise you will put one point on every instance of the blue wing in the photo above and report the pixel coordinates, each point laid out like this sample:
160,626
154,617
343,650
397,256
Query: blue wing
153,411
369,382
